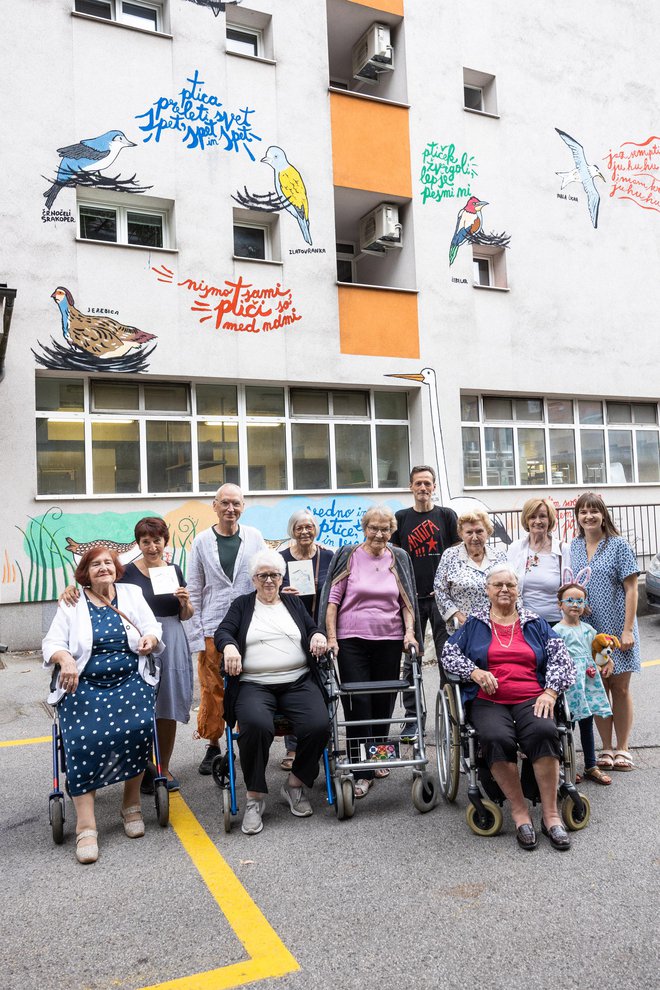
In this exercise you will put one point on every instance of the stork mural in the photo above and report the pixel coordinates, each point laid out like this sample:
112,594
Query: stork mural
461,503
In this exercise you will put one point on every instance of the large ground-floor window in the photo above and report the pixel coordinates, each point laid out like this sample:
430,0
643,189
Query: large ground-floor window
107,436
510,441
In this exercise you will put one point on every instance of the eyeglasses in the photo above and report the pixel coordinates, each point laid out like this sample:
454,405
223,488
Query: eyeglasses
502,584
574,601
268,576
384,530
303,529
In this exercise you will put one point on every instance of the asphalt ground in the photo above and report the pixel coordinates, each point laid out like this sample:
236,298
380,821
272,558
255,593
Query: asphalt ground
389,900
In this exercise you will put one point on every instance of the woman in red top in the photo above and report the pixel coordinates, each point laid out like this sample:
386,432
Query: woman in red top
518,666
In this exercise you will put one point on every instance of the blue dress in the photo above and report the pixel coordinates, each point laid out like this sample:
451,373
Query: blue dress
588,695
612,562
106,724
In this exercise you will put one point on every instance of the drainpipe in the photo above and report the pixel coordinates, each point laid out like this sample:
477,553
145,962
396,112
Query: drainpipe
7,297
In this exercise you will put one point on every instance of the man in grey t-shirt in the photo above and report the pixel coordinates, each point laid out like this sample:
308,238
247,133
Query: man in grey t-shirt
217,573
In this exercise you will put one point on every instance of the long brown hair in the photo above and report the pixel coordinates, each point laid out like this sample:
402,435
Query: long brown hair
588,500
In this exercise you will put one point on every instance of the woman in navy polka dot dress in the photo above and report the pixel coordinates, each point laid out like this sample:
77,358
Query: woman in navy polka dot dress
105,692
613,602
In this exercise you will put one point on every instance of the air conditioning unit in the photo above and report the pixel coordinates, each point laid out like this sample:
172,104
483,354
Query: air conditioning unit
380,230
373,54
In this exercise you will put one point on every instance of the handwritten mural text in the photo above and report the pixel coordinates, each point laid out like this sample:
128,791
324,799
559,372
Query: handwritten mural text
635,172
445,174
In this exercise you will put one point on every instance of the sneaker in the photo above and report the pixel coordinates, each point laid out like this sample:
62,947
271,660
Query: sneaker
409,733
252,823
206,766
297,801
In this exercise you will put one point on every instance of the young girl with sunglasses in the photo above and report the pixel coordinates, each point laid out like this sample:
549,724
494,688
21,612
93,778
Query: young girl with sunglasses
587,697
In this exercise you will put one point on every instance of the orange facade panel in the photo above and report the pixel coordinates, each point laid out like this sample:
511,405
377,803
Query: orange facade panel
370,145
389,6
378,322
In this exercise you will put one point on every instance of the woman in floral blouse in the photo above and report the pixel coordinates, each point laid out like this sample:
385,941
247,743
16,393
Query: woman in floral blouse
460,581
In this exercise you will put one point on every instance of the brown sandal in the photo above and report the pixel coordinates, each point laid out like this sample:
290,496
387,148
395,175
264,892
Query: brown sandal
595,773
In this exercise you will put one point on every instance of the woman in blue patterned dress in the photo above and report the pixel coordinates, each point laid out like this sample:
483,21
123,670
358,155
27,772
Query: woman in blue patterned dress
105,692
613,604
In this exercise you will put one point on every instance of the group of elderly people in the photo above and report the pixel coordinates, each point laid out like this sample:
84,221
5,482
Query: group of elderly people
499,606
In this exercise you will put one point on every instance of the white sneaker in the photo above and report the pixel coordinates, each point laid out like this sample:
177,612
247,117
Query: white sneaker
252,823
297,801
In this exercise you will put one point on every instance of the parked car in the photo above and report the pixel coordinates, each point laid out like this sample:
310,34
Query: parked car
653,584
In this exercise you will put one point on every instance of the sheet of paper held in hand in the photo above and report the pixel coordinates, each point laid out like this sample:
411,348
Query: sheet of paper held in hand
163,580
301,576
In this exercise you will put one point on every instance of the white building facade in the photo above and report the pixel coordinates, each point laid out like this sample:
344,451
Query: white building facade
301,247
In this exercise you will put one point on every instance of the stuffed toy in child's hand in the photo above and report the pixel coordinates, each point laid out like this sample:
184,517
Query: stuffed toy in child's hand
602,648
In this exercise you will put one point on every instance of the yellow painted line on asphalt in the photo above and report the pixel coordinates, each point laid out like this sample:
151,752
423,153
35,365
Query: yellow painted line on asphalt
650,663
269,957
26,742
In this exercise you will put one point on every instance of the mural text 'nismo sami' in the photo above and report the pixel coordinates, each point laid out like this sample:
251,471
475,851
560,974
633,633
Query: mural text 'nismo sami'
241,306
200,118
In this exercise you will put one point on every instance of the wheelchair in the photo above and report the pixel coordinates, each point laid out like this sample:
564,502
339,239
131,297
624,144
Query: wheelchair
457,752
56,799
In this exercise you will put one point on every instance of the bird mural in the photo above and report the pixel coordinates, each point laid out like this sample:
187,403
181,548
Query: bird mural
89,155
290,188
463,503
584,173
100,336
468,224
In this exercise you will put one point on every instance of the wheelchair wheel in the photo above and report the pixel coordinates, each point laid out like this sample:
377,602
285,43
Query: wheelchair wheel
447,742
424,794
57,820
226,809
569,814
494,818
348,792
162,799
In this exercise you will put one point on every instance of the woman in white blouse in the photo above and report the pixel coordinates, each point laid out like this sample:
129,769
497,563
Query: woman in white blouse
460,580
539,559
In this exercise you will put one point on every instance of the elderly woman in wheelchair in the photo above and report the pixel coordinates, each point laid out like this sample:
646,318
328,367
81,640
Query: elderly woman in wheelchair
269,644
516,668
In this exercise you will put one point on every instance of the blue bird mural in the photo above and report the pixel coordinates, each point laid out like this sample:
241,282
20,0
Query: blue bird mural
584,173
290,188
468,225
89,155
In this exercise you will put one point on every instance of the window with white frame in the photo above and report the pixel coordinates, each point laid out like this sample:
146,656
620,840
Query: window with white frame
252,240
107,436
479,92
244,41
519,441
483,274
135,13
473,97
120,224
489,267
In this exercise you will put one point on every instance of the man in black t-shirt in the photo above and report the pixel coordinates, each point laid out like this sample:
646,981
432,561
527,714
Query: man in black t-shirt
425,531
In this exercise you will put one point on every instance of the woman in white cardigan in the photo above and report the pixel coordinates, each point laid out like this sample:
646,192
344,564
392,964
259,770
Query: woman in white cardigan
539,559
104,691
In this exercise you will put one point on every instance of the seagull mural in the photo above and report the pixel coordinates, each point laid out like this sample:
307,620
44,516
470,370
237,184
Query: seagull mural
83,163
290,194
95,343
469,229
462,503
584,173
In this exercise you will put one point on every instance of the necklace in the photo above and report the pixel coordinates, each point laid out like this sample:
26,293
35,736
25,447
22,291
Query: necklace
505,646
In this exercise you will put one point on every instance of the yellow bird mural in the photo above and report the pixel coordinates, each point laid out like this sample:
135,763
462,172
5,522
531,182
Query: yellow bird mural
290,188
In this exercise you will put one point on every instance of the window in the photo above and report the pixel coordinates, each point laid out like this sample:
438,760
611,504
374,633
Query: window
251,242
561,441
345,262
242,41
479,93
148,16
108,436
123,225
489,267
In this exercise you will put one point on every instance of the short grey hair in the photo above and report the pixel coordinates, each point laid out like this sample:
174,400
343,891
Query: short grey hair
502,569
383,511
297,517
267,558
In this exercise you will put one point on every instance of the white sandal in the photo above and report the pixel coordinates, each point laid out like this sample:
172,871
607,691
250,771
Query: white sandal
135,828
362,786
88,853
